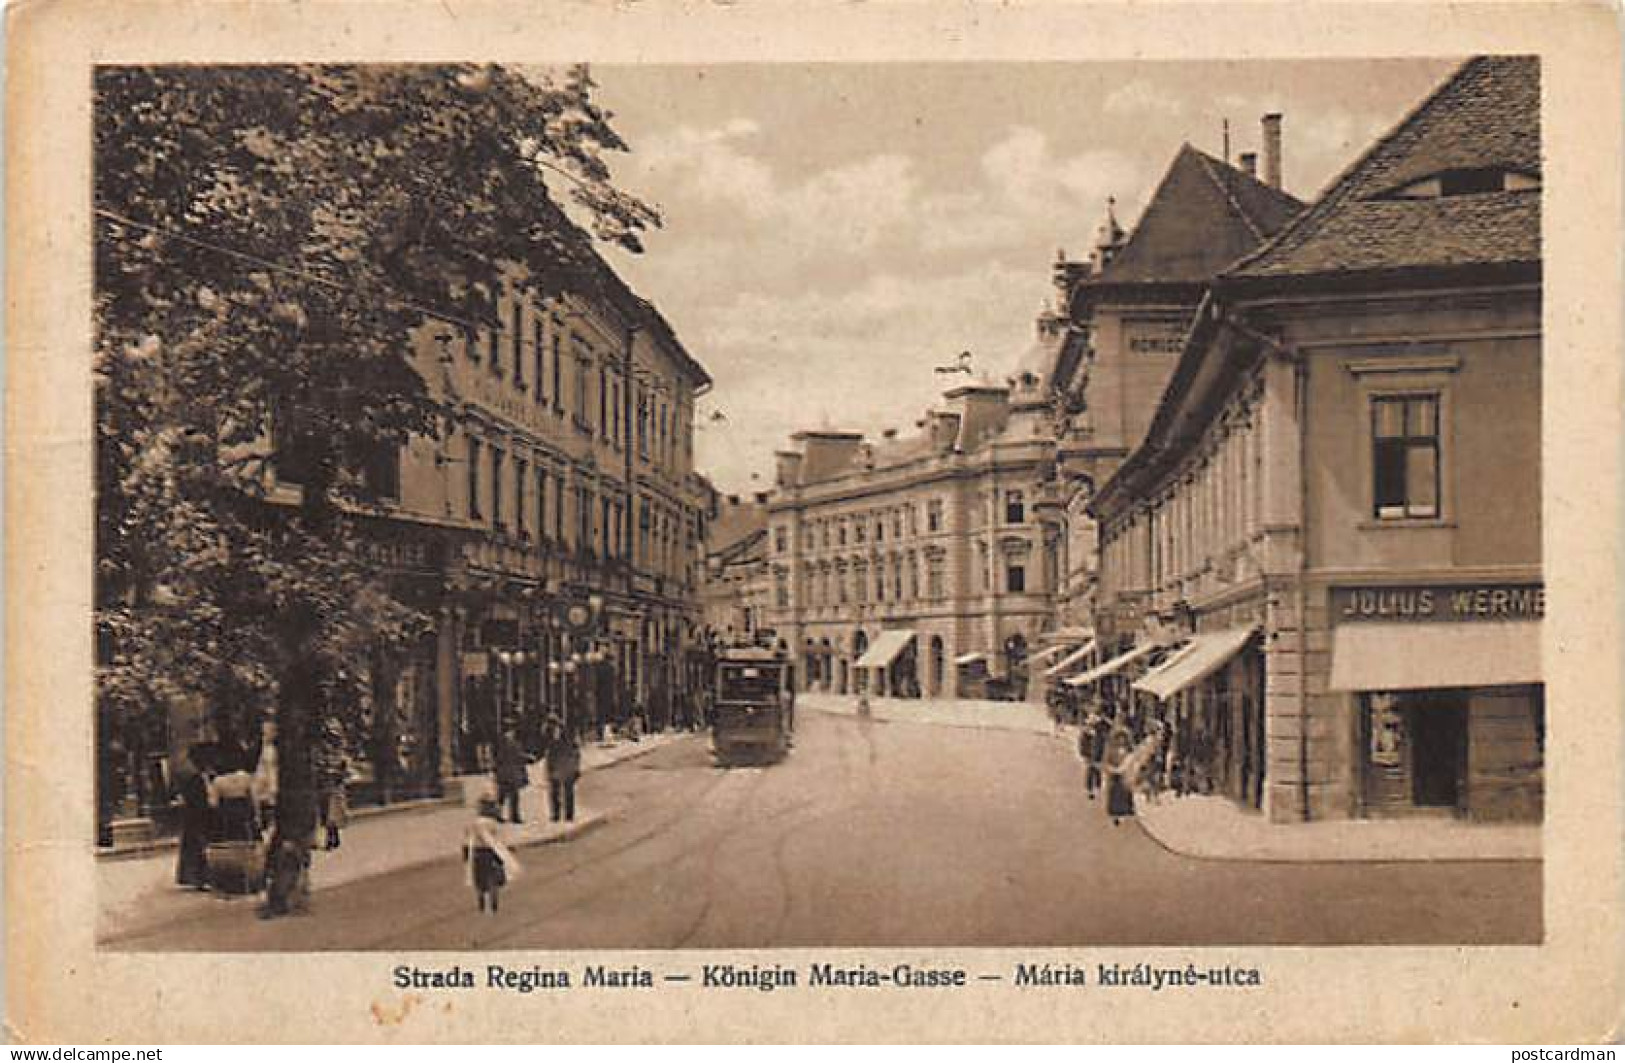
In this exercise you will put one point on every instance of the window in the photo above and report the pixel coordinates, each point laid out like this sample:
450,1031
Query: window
880,528
1015,579
521,473
382,469
781,589
1467,181
860,529
518,329
494,336
583,367
558,369
538,352
860,574
823,532
897,579
897,524
558,511
615,412
934,584
933,516
781,540
840,534
496,487
982,565
1405,456
471,342
603,401
1015,508
541,502
474,479
840,582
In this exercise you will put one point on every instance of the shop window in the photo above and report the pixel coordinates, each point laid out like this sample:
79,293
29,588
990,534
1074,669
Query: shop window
1015,508
1015,579
1405,456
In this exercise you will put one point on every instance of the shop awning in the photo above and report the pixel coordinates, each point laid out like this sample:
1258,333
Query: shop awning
1422,656
970,658
1043,655
1070,661
1204,655
885,648
1122,660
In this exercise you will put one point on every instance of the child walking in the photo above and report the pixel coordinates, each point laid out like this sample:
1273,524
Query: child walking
490,863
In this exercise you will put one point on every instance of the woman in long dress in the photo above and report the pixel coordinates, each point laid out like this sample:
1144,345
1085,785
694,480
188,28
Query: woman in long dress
1120,770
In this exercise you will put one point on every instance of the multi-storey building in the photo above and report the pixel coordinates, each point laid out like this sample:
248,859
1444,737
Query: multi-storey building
736,587
1126,311
1335,515
915,565
552,528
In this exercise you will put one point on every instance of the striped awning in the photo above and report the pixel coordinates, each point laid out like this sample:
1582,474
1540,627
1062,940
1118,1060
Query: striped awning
1116,664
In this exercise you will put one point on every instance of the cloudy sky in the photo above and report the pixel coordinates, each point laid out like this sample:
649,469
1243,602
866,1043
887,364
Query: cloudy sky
833,231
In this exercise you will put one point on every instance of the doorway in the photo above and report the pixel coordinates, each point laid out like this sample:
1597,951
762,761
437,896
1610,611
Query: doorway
1438,727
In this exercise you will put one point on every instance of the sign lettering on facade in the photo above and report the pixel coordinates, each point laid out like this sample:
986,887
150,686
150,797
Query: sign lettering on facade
1156,337
1436,602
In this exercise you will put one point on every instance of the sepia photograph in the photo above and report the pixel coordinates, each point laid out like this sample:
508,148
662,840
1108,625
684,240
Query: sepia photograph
698,522
1058,504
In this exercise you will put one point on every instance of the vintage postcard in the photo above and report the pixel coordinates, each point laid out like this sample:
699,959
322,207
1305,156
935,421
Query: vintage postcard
841,522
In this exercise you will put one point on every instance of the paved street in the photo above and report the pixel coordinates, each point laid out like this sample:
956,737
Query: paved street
881,833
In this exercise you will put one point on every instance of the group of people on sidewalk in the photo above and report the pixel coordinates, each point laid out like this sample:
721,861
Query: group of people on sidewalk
228,808
489,861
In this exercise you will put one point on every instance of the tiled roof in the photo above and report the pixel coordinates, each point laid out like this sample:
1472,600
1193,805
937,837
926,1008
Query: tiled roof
1486,116
1204,215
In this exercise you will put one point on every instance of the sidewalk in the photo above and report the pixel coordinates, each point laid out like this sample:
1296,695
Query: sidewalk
943,712
139,893
1215,828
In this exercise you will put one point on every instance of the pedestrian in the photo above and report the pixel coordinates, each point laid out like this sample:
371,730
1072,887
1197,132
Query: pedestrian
490,863
563,768
1120,770
332,773
512,771
265,773
1092,745
192,868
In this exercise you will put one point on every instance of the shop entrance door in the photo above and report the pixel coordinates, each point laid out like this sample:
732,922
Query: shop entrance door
1439,750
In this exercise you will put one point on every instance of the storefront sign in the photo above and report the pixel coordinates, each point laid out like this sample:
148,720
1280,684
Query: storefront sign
1156,337
1439,602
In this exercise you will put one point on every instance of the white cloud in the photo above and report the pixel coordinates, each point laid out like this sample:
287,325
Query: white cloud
1142,97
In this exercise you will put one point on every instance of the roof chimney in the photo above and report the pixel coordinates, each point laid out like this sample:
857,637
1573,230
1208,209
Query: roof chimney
1272,150
1249,163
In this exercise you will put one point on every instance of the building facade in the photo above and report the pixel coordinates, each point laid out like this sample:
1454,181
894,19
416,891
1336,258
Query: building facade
551,528
1333,526
736,587
1126,311
916,566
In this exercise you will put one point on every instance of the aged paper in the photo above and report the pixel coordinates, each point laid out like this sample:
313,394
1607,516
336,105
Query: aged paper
1546,968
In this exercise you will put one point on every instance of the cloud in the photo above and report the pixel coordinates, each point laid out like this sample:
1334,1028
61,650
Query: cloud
1140,98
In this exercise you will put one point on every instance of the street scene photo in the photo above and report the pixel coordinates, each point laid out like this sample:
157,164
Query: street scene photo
784,505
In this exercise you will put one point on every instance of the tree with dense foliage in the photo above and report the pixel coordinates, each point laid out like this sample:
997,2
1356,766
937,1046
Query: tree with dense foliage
267,240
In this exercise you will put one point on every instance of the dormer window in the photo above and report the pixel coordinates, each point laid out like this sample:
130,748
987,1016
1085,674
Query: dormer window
1467,182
